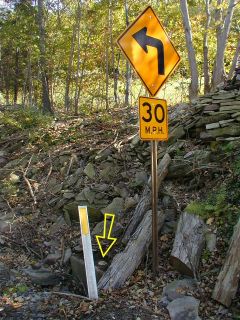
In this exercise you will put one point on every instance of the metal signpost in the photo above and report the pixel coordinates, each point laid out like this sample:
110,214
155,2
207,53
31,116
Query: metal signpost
151,53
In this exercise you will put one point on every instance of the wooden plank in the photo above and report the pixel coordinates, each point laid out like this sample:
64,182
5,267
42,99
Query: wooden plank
144,203
188,244
125,263
228,279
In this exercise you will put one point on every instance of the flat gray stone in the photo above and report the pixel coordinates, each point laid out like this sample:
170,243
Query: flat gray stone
89,194
43,277
233,130
108,171
224,95
177,133
141,178
225,123
212,125
230,108
211,119
52,258
185,308
90,171
212,107
235,115
230,103
116,206
80,197
68,195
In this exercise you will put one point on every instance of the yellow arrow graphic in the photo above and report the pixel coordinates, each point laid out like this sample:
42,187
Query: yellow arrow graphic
105,235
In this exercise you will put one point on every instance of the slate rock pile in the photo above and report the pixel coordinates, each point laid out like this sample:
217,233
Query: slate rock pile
212,117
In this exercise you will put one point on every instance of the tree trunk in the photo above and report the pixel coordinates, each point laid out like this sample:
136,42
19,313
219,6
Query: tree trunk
222,35
144,203
228,279
125,263
79,11
114,70
128,68
205,49
47,108
234,61
193,88
7,86
69,72
82,73
107,63
30,90
16,76
116,75
188,244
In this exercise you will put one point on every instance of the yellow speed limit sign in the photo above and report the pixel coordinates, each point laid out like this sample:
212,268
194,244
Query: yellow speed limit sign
153,118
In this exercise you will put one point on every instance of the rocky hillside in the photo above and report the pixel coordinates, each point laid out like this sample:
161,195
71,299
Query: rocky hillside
99,161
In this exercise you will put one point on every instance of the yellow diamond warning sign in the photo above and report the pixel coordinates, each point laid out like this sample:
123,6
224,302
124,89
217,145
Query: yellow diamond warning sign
147,46
153,118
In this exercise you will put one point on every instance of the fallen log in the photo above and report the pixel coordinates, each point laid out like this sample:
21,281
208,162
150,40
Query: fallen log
188,244
144,203
228,279
125,263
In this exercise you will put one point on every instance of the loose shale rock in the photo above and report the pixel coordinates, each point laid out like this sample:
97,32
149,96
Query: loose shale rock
185,308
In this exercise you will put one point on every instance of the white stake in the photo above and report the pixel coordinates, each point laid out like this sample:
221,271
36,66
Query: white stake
88,253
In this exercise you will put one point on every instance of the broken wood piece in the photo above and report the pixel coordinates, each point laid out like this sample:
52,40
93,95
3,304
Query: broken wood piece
29,187
125,263
228,279
188,244
144,203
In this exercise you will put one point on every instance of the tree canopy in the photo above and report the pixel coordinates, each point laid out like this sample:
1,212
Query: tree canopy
84,68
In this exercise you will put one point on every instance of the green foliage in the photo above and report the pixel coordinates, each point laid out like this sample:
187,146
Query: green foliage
24,119
19,32
206,255
20,288
8,188
218,205
229,147
236,166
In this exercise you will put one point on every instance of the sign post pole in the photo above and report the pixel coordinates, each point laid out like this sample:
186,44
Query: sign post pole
154,206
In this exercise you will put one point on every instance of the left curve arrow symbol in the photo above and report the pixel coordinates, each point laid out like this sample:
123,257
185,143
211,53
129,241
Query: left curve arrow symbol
144,41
